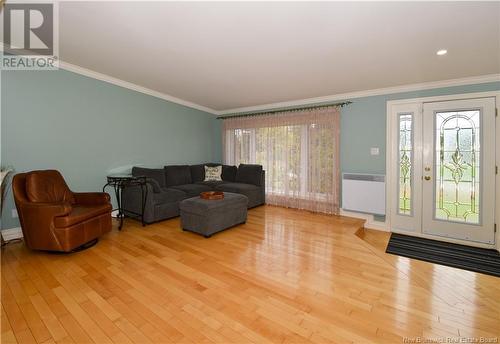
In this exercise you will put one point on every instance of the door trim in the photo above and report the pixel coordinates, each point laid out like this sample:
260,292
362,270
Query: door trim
390,130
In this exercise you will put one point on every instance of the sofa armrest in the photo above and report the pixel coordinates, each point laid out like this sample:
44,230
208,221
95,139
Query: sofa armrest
90,198
132,199
153,185
263,186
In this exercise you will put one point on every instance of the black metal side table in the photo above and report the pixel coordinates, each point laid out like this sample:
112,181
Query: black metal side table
121,181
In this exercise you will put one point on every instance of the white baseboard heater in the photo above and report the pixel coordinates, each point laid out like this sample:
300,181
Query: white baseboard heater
363,193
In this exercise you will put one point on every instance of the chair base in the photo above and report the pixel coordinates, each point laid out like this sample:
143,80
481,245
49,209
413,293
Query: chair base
85,246
79,248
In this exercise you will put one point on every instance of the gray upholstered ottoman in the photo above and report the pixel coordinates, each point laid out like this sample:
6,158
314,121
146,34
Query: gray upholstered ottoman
207,217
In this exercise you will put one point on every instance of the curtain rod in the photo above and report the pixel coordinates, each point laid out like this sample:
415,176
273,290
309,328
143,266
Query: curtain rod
342,104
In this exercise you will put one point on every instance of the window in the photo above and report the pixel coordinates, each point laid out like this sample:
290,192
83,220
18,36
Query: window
405,163
457,158
299,155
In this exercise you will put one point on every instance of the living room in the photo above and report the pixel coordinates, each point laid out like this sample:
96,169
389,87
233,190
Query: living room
177,172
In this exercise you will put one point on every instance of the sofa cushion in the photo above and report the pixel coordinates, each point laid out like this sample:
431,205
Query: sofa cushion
47,186
177,175
197,172
249,174
157,174
254,193
229,173
192,190
81,213
169,195
212,185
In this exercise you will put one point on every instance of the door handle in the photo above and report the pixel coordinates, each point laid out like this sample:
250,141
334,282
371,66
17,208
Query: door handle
427,178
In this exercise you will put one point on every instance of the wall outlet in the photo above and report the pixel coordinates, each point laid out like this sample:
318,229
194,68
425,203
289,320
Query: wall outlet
14,214
374,151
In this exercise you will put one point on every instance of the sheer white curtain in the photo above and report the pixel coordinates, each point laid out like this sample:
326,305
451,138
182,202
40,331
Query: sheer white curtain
299,150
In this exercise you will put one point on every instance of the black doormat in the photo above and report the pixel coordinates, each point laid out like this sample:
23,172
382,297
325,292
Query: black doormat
458,256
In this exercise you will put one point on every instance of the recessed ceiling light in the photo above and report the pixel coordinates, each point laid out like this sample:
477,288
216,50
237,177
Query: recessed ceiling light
442,52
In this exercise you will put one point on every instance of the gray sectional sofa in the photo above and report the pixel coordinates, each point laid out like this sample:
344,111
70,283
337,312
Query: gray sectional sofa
168,186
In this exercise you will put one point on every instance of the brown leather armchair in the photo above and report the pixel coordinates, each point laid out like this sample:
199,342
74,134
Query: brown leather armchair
54,218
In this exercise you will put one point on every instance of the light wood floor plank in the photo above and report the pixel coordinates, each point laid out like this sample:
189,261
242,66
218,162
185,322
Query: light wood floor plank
286,276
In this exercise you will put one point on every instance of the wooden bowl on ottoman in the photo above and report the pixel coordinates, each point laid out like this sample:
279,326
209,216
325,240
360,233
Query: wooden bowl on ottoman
212,195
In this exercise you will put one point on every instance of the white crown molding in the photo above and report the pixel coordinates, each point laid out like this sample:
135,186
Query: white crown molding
307,101
368,93
125,84
131,86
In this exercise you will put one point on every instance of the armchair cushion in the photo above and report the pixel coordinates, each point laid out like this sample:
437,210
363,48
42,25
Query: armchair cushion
47,211
81,213
47,186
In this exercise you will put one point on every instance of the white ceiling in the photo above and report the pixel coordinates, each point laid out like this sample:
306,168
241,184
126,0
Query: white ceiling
226,55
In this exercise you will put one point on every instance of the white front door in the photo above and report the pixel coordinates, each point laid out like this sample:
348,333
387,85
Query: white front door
444,154
459,169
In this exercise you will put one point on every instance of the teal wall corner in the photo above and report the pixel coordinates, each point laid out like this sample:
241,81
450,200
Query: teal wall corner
87,129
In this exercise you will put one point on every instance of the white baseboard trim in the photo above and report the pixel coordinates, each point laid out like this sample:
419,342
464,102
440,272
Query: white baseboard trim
12,233
370,222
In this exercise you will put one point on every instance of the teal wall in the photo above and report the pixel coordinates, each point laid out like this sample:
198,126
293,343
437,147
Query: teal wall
363,125
86,128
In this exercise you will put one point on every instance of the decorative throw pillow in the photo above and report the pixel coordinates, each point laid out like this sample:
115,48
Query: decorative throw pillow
213,174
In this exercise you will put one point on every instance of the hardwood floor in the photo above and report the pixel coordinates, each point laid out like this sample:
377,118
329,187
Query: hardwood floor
286,276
